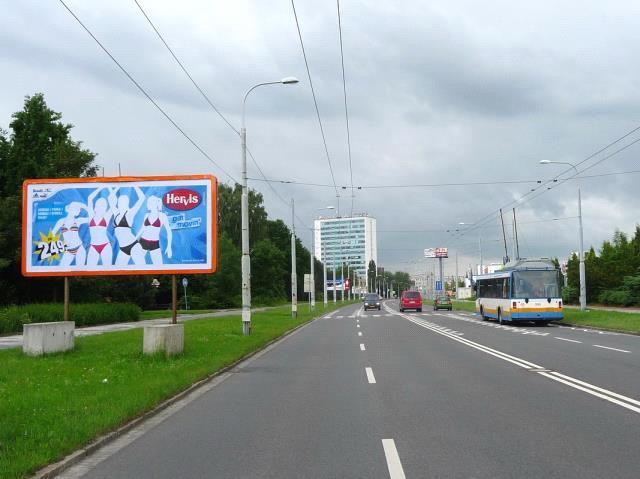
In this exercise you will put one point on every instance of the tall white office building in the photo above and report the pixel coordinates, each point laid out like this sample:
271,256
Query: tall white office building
346,240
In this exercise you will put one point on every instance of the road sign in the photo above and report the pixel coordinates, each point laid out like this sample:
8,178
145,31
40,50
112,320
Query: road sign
185,282
307,283
438,285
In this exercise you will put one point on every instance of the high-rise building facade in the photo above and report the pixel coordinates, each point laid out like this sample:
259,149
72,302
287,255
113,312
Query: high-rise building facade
346,240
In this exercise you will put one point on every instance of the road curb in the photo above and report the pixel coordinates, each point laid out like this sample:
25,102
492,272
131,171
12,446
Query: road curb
53,470
597,328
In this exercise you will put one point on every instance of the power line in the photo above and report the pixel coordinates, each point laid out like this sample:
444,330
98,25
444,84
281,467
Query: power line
207,99
523,199
346,110
315,102
144,92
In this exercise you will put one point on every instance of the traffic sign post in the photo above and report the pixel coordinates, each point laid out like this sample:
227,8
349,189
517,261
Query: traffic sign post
185,282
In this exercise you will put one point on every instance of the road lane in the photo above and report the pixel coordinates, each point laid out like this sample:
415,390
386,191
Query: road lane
438,408
575,353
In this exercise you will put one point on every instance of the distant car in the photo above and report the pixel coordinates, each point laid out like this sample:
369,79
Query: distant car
442,302
411,300
372,301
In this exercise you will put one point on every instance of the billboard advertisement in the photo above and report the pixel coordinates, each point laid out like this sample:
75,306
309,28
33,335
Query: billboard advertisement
436,253
117,226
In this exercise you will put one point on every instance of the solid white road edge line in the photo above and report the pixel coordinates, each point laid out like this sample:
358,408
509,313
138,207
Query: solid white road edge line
393,459
362,348
612,349
567,380
370,377
569,340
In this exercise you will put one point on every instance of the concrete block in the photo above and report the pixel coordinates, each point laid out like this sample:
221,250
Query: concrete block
43,338
164,337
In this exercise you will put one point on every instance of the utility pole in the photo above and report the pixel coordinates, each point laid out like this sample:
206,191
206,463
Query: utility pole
294,278
456,280
515,234
312,293
325,300
480,246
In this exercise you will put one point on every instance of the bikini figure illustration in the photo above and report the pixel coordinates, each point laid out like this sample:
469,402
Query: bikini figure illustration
69,226
149,234
123,216
99,216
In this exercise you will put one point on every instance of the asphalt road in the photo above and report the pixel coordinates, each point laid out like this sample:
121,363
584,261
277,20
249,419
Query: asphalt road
417,395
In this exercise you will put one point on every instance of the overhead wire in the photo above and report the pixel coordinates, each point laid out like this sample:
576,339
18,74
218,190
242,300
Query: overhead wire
346,109
208,100
315,102
523,198
147,95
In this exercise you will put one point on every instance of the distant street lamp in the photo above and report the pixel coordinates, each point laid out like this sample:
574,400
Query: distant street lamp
583,284
244,212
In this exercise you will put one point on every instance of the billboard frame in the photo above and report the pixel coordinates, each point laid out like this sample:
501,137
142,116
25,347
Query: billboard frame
128,272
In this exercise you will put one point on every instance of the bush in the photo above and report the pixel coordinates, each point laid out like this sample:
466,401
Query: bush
88,314
569,295
618,297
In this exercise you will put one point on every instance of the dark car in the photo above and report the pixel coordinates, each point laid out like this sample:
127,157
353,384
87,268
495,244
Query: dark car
442,302
372,301
411,300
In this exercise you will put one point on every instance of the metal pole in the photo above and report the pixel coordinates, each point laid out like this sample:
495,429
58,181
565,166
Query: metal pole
246,259
325,300
174,299
335,293
342,278
480,246
515,234
312,293
294,278
66,299
441,279
583,281
186,305
504,237
456,279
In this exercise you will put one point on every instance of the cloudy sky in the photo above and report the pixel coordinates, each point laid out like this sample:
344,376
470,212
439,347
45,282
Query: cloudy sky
438,92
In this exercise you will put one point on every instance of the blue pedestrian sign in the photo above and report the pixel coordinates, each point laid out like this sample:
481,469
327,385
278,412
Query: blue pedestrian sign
438,285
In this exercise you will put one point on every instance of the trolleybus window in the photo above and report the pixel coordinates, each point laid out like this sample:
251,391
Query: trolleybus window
536,284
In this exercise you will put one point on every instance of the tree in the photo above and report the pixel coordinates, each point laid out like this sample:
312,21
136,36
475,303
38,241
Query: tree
39,146
372,271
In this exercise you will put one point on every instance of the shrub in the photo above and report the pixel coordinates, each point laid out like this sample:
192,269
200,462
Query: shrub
88,314
569,295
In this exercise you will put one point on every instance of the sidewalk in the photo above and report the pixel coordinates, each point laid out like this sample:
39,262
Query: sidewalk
606,308
15,341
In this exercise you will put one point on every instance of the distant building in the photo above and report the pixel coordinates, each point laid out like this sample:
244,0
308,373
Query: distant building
346,240
489,268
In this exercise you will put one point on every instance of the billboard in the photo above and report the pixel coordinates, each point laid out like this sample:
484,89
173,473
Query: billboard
117,226
436,253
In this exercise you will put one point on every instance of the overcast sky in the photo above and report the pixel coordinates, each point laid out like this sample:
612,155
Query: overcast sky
438,92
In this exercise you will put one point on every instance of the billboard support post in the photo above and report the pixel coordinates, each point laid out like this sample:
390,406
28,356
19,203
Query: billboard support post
66,298
174,299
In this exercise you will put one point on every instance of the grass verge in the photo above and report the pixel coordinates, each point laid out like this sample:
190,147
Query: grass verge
613,320
52,405
457,305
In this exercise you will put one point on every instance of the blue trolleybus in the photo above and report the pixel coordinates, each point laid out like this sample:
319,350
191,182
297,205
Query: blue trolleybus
525,290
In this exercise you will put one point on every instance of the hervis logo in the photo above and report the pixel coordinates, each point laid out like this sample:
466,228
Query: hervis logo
182,199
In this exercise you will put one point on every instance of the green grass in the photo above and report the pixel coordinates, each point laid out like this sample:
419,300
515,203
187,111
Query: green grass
603,319
50,406
458,305
613,320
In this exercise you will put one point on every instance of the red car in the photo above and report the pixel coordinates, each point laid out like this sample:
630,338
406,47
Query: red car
411,300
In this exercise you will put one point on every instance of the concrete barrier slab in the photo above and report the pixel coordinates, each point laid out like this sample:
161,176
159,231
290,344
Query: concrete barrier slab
43,338
163,337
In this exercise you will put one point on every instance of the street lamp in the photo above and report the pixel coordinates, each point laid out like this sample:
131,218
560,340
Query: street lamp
324,261
244,212
583,284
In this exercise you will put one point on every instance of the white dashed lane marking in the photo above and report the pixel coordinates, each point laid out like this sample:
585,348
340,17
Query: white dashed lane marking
362,348
370,377
393,459
569,340
612,349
